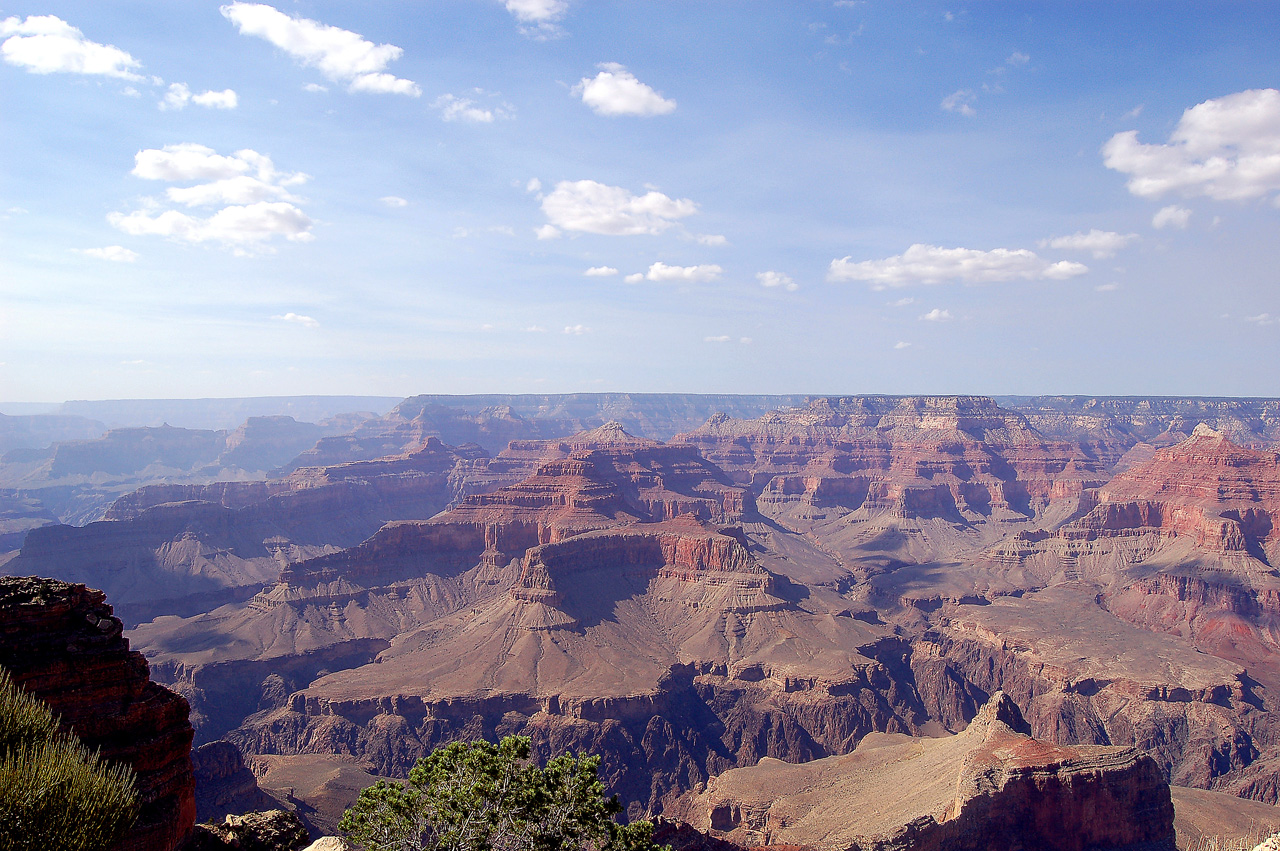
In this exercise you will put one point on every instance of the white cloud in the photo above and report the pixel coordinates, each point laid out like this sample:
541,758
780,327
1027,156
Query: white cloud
232,190
298,319
1101,243
902,302
225,99
578,330
746,341
255,203
902,344
340,55
393,201
1018,58
591,207
615,91
634,278
233,226
961,102
314,87
464,109
660,271
936,315
536,329
600,272
1171,216
713,239
547,232
1107,288
116,253
46,44
777,279
1263,319
539,17
931,264
534,185
187,161
1227,149
722,338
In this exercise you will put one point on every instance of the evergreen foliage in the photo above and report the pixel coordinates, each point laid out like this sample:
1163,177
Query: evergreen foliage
54,792
477,796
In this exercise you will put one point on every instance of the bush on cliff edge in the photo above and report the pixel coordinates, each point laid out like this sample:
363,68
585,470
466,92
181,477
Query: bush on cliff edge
476,796
54,792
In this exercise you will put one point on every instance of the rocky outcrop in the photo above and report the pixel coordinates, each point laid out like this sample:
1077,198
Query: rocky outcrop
224,786
274,830
990,787
62,644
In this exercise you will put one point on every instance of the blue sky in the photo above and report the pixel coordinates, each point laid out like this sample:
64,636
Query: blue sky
231,199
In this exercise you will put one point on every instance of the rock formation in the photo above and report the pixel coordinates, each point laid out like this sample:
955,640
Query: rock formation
224,786
274,830
62,644
990,787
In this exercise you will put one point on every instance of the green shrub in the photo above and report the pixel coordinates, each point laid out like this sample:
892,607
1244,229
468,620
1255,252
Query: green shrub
54,792
476,796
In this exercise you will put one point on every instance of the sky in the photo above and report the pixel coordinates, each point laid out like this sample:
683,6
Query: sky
202,199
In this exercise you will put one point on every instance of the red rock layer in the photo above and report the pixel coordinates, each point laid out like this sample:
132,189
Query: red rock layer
917,456
62,644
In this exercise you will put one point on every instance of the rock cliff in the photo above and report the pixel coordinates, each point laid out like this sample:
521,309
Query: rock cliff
62,644
990,788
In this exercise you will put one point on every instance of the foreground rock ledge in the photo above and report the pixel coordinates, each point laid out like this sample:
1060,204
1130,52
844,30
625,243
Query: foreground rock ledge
990,788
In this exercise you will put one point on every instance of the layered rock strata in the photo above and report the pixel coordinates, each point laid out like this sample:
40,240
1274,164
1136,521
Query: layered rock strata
61,643
990,788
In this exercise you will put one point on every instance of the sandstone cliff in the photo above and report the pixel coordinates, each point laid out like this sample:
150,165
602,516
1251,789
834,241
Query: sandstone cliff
62,644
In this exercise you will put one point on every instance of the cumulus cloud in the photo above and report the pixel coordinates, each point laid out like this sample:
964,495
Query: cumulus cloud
393,201
721,338
600,272
1100,243
902,344
46,44
960,102
577,330
1017,58
713,239
255,202
616,91
1262,319
777,279
1227,149
534,185
691,274
936,315
591,207
115,253
340,55
1171,216
547,232
634,278
538,18
1107,288
298,319
931,264
464,109
902,302
314,88
179,95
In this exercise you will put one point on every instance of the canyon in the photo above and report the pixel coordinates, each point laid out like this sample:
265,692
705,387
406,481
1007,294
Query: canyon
697,587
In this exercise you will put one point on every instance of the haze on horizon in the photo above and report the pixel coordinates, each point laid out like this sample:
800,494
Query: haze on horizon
235,199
